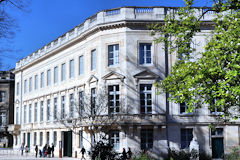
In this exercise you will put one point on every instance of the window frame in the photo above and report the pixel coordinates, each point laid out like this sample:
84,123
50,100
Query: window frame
71,68
81,65
115,55
93,59
144,54
146,93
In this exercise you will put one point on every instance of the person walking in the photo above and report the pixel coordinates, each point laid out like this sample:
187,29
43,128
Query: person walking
129,153
49,151
52,150
83,152
22,148
36,150
124,154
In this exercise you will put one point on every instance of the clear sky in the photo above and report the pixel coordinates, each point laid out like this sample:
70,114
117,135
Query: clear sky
48,19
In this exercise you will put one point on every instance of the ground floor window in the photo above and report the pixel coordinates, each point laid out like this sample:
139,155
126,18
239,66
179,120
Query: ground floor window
35,138
48,137
80,139
146,138
114,139
55,138
41,139
186,137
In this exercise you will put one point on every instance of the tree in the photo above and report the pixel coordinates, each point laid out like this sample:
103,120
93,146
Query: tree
210,77
95,113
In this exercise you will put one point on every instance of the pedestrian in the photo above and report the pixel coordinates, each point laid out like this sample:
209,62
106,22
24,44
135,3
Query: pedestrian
26,149
36,150
22,148
40,153
49,150
43,151
83,152
52,150
124,154
129,153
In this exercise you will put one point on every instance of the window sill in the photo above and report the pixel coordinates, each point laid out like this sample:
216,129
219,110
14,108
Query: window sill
186,114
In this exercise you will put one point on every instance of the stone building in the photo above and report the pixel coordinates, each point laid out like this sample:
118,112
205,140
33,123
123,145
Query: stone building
6,107
113,50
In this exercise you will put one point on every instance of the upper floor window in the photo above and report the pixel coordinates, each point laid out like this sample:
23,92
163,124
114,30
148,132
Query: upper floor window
71,73
35,112
17,115
55,108
30,84
81,103
71,107
17,88
113,55
113,99
42,80
145,55
81,65
41,111
93,59
63,72
2,96
48,109
49,77
93,101
146,98
30,113
25,86
146,139
183,108
25,114
186,137
55,74
36,82
63,107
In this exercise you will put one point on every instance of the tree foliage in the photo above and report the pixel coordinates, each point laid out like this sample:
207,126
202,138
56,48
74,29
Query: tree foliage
212,77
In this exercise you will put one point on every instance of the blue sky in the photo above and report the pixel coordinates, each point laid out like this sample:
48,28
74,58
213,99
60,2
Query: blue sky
46,20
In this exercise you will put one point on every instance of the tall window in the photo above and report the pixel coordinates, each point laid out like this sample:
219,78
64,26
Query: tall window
145,55
49,77
35,138
42,80
186,137
41,111
55,108
25,86
30,84
36,82
63,107
113,99
81,103
17,88
48,109
71,105
114,139
183,108
81,65
113,55
71,73
48,137
24,138
80,145
55,138
93,59
146,98
3,119
2,96
55,74
93,101
35,112
63,72
17,115
25,114
30,113
146,138
41,139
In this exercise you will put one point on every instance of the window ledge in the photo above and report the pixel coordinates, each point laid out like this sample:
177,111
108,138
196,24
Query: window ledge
186,114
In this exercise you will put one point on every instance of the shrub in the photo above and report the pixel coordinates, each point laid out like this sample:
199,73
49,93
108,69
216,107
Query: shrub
234,155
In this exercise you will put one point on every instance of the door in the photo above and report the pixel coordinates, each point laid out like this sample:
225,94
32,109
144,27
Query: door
67,143
28,140
217,147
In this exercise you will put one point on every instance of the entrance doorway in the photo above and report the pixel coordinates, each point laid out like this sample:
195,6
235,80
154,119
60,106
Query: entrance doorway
28,140
67,143
217,143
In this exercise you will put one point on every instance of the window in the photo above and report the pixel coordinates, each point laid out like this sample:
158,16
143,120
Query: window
35,112
63,107
81,103
113,99
17,88
25,86
186,137
30,113
183,108
217,132
24,138
48,109
145,55
81,65
71,73
113,55
93,101
3,119
25,114
35,138
93,59
30,84
146,98
42,80
36,82
55,74
41,139
17,115
41,111
63,74
146,139
54,138
2,96
71,105
114,139
80,145
49,77
55,108
48,138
